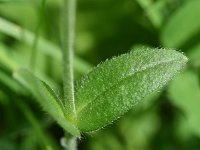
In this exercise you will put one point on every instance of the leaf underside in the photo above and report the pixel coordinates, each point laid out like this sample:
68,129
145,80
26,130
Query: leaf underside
47,98
115,86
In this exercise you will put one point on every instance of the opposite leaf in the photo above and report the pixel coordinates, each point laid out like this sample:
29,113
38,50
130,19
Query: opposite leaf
47,98
115,86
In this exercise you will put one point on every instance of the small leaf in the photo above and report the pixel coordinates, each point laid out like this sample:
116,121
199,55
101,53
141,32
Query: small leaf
115,86
46,97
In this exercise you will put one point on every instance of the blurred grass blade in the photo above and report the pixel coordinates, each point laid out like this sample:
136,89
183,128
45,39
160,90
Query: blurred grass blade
182,25
44,139
6,58
46,98
13,1
34,49
115,86
8,61
11,83
153,10
45,46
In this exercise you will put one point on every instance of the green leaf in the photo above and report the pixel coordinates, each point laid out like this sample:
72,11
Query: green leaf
184,91
182,25
46,97
115,86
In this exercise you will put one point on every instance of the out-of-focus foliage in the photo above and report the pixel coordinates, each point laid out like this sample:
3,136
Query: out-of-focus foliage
185,93
104,28
181,27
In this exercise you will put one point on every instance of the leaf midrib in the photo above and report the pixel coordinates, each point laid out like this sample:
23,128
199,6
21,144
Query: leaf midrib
143,68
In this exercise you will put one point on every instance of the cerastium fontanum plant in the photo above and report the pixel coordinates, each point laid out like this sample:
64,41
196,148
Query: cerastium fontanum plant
106,92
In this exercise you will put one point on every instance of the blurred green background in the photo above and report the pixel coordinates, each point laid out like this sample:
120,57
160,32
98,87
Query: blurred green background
29,37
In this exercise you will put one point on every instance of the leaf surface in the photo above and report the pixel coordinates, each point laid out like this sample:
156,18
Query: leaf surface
115,86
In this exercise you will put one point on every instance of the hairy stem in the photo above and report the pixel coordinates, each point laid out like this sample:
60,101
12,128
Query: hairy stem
67,45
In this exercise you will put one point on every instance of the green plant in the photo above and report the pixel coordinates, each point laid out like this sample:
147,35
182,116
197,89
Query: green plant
109,90
104,94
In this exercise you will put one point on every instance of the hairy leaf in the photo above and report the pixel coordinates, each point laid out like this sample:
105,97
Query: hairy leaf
115,86
46,97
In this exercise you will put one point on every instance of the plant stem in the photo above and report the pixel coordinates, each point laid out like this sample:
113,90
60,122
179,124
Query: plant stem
67,45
